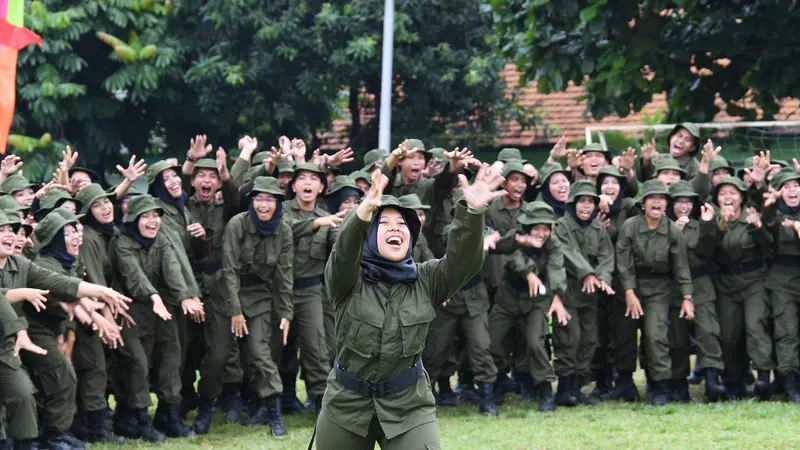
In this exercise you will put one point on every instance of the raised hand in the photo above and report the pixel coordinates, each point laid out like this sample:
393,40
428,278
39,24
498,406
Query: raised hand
48,187
199,147
372,199
10,165
574,159
772,197
332,221
709,153
627,160
343,156
559,150
458,158
484,189
69,158
531,172
299,150
222,165
649,151
753,218
706,212
432,168
682,221
490,241
134,171
285,144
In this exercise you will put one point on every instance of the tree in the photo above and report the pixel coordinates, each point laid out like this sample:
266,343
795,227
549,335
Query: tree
625,51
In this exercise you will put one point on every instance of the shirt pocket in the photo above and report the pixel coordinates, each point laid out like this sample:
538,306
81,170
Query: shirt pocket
364,325
415,316
319,245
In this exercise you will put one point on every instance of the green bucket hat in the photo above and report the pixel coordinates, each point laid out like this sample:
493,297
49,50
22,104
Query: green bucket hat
692,129
537,213
610,171
785,175
50,200
91,194
341,182
259,158
409,214
307,167
94,176
49,226
12,219
205,163
720,163
653,187
9,205
781,162
510,154
139,205
748,164
266,185
153,171
361,175
412,201
16,183
582,188
682,188
668,164
286,167
736,182
373,157
416,143
438,153
596,147
548,170
512,166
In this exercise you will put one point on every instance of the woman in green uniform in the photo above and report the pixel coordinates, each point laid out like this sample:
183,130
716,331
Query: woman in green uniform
378,390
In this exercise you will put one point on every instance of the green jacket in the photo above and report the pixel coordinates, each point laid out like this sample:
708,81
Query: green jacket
95,257
10,325
648,259
741,244
785,273
173,227
688,163
311,246
256,271
628,210
547,263
586,250
52,318
701,242
381,327
421,251
429,190
503,220
19,272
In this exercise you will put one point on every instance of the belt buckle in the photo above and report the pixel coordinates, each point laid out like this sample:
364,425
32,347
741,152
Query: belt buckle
383,388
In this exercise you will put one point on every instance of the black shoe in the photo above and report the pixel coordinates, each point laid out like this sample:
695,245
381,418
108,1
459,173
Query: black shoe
257,415
189,403
525,382
696,377
274,416
7,444
73,442
466,387
659,393
23,444
231,403
547,402
97,430
624,389
486,403
202,422
446,396
763,388
564,396
53,442
578,381
715,390
748,376
737,391
790,387
503,386
602,384
778,384
169,421
145,429
125,422
80,426
290,404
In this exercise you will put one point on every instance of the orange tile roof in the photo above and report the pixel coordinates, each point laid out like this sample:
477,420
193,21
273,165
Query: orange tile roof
562,112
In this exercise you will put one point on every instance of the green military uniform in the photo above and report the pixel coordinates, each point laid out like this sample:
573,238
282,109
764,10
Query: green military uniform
16,389
311,252
782,282
701,241
587,251
380,332
700,182
743,303
372,158
653,264
688,162
257,280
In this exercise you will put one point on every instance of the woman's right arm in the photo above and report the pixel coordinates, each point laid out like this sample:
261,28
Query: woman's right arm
344,263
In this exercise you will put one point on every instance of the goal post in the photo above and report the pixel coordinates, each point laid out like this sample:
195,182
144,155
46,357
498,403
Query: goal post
739,140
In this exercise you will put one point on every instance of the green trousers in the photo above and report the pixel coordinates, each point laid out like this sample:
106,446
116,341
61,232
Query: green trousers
707,333
625,334
666,340
787,330
604,353
89,361
16,394
574,343
55,383
310,338
259,349
439,346
744,319
331,436
503,321
220,363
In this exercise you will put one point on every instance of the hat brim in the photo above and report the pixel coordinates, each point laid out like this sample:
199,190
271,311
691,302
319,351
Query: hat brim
86,207
94,176
527,221
290,194
278,195
129,218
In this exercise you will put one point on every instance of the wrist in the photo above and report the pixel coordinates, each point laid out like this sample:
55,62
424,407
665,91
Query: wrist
190,158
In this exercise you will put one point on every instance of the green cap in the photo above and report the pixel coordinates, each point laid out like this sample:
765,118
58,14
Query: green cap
736,182
307,167
259,158
91,194
785,175
609,171
780,162
94,176
9,205
512,166
373,157
682,188
582,188
415,143
205,163
653,187
153,171
266,185
49,226
598,148
537,213
720,163
12,218
409,214
16,183
50,200
361,175
748,164
510,154
438,153
139,205
548,170
286,167
692,129
344,181
412,201
668,164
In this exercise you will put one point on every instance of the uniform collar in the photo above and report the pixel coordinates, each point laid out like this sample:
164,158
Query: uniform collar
12,265
295,206
662,227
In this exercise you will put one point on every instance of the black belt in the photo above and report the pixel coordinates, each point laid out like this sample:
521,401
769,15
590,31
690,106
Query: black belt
304,283
207,268
382,388
701,271
787,260
649,274
738,269
474,281
515,282
250,280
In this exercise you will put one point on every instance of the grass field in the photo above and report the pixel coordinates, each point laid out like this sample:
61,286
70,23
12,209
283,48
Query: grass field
733,425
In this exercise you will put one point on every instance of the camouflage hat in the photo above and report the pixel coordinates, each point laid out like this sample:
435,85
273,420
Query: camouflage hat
682,188
16,183
416,143
582,188
259,158
732,181
266,185
692,129
780,162
510,154
49,226
153,171
90,194
654,187
205,163
548,170
720,163
668,164
373,157
307,167
286,167
93,176
412,201
537,213
139,205
50,200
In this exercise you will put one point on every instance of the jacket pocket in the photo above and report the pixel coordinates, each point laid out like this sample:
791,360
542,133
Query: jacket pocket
414,320
364,325
319,245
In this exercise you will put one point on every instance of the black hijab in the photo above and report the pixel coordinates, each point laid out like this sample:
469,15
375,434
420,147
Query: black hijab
159,190
90,220
559,207
615,207
132,229
379,269
266,227
582,223
335,199
786,209
57,248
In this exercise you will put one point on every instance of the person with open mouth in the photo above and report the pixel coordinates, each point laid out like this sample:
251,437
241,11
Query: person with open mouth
554,187
145,264
257,280
654,271
683,142
384,304
781,217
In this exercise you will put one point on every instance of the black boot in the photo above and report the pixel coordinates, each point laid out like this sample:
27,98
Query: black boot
231,404
202,422
466,387
502,387
290,404
546,401
624,389
53,442
790,387
144,427
763,389
486,403
258,414
274,416
97,430
778,383
169,421
525,382
696,377
737,391
446,396
71,441
659,393
125,422
189,402
24,444
564,396
679,391
80,426
577,383
602,384
715,391
7,444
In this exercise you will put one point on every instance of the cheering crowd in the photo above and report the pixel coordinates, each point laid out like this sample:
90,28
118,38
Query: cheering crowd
590,268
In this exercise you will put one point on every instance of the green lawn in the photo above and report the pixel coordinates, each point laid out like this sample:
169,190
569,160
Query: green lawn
734,425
